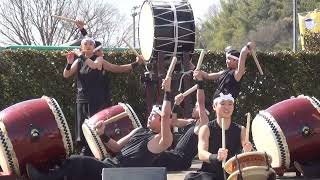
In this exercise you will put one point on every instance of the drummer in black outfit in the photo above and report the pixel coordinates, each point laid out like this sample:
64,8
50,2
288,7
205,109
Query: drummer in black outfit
229,79
209,145
138,149
93,86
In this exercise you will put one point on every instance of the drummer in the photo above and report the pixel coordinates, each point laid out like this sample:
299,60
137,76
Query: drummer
229,79
92,83
209,145
138,149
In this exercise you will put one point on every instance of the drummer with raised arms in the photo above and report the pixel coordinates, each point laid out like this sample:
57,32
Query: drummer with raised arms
210,145
93,86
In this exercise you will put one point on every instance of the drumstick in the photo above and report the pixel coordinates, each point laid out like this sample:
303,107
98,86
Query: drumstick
171,67
223,141
64,18
200,60
254,55
115,118
130,47
189,91
248,127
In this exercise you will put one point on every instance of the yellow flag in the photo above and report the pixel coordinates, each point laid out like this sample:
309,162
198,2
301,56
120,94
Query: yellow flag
309,21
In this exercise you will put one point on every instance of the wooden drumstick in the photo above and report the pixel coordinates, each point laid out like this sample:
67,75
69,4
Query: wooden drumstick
200,59
130,47
171,67
254,55
189,91
223,140
64,18
115,118
248,127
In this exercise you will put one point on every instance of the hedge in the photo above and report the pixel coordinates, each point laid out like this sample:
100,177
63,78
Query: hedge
27,74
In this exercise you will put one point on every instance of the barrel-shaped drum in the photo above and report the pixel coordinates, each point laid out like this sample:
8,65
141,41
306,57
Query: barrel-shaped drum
167,27
120,120
35,132
289,131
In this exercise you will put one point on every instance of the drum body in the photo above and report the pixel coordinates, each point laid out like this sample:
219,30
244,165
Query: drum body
167,27
35,132
114,130
254,173
245,160
289,131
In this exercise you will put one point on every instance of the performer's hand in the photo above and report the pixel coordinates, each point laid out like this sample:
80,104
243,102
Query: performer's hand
198,75
99,127
140,59
70,57
99,63
178,99
222,154
248,48
166,84
80,24
247,147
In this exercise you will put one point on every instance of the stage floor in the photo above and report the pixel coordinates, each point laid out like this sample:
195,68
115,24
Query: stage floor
179,175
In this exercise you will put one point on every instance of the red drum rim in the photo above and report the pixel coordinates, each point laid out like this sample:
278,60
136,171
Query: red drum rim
229,166
253,173
93,139
8,158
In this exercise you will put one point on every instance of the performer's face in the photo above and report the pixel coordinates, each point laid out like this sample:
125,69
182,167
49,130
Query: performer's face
232,63
154,122
87,46
195,112
224,109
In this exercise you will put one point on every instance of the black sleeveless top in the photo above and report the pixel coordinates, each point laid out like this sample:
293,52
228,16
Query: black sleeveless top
93,87
228,84
233,144
136,153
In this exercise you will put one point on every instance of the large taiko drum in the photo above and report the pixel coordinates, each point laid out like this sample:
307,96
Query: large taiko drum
167,27
251,166
33,131
289,131
127,121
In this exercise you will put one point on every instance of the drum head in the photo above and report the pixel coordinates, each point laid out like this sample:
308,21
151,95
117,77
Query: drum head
146,31
132,115
253,173
94,141
246,160
269,137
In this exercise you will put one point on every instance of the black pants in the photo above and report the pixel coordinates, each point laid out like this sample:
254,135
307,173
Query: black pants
80,168
180,158
311,169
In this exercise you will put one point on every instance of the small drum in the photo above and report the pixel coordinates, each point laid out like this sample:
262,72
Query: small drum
167,27
247,159
122,126
33,131
289,131
253,166
254,173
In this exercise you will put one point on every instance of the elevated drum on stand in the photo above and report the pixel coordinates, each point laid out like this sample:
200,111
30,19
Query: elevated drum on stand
167,27
289,131
120,120
35,132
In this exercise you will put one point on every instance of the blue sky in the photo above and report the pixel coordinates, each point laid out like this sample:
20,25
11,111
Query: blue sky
200,7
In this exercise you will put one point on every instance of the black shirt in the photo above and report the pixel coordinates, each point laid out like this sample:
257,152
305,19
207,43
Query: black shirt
228,84
233,144
93,87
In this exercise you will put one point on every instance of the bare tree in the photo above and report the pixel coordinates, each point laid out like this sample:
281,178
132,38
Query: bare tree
29,22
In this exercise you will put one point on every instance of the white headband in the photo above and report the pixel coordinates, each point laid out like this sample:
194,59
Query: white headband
156,109
87,39
223,97
228,55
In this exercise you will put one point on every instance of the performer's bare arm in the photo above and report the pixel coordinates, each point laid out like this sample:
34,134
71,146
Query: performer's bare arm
121,68
213,76
163,140
74,66
241,64
247,146
203,144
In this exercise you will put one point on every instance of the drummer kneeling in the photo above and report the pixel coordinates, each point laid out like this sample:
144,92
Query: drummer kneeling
210,140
